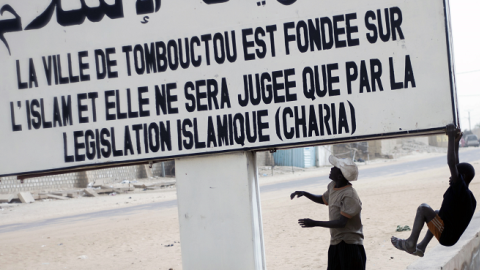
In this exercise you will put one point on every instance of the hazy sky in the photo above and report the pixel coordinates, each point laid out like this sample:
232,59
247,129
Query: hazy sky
466,41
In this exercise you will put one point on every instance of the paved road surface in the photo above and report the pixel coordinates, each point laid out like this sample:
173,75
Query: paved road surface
391,169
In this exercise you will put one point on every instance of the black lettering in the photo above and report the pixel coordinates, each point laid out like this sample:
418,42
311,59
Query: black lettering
218,48
314,34
162,63
62,80
259,32
139,59
131,114
200,95
300,121
126,50
109,105
32,78
211,133
312,122
376,74
67,110
81,66
212,92
143,101
337,31
73,78
251,138
198,144
352,74
191,86
137,129
150,61
127,146
101,65
111,63
188,134
224,95
48,69
395,23
342,119
15,127
116,153
184,63
288,37
195,61
239,129
82,108
21,85
332,80
222,130
289,85
66,157
351,29
364,82
288,134
271,29
408,72
233,56
78,146
277,86
262,126
393,84
383,36
37,121
373,36
57,119
107,148
247,44
90,144
120,115
327,33
165,136
206,38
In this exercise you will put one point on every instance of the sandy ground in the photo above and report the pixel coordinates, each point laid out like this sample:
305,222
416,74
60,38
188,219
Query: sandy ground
149,239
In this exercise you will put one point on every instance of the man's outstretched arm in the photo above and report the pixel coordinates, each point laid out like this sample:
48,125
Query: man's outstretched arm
452,152
312,197
458,136
339,223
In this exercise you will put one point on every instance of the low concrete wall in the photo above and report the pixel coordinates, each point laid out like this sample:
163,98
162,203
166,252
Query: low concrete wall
10,185
464,255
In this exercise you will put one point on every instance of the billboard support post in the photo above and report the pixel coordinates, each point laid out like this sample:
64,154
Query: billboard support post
219,212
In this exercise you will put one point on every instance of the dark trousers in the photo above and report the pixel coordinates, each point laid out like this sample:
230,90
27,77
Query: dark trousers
345,256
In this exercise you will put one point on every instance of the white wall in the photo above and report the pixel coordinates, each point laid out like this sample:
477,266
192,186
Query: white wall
323,152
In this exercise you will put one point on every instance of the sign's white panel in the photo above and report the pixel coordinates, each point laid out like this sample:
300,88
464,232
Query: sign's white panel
97,82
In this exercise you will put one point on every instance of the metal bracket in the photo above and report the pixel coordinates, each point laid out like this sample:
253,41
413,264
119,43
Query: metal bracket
150,164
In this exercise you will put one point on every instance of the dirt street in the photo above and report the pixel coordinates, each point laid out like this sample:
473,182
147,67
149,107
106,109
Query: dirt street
148,238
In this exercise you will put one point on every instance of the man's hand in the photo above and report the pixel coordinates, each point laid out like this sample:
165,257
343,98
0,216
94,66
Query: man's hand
450,129
458,135
297,193
307,223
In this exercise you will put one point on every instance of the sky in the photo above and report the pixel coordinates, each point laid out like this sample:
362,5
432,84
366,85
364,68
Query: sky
466,52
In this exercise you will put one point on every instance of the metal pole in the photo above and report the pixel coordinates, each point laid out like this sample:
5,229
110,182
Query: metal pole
291,151
469,125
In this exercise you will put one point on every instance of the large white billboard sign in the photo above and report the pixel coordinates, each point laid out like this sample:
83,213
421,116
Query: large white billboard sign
101,82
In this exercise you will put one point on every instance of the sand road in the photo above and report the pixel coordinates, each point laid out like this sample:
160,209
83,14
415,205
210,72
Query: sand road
140,230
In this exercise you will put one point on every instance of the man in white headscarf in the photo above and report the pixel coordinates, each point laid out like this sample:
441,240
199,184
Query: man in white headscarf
346,243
